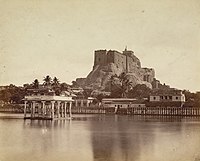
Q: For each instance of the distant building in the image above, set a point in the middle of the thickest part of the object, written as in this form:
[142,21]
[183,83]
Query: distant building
[77,90]
[122,103]
[82,101]
[163,98]
[40,91]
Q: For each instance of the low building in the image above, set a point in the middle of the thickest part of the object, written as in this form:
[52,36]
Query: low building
[122,103]
[163,98]
[77,90]
[82,101]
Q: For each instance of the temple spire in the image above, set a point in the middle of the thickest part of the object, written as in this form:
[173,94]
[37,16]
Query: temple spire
[125,48]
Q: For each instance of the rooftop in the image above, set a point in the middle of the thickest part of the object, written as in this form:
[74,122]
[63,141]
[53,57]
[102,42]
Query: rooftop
[167,92]
[48,98]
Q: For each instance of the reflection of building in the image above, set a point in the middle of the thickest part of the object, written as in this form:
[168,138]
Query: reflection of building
[167,98]
[44,104]
[122,102]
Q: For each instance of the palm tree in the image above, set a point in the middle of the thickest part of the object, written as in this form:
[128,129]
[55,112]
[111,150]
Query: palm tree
[35,83]
[56,86]
[56,82]
[47,81]
[123,85]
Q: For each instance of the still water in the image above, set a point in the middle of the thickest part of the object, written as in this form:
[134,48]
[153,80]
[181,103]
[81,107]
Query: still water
[100,138]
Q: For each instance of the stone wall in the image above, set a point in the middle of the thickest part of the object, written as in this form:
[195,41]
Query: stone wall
[100,57]
[126,60]
[119,60]
[147,74]
[132,60]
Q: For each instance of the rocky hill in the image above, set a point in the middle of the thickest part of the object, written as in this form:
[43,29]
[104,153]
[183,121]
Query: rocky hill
[109,63]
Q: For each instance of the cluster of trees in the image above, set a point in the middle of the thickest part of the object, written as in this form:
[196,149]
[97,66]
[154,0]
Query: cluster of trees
[48,82]
[14,94]
[54,84]
[122,87]
[192,98]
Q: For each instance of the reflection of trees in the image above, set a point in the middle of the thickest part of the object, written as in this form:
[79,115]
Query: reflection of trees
[130,138]
[129,142]
[102,140]
[115,140]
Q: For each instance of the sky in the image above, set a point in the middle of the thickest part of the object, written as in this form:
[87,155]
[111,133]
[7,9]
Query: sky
[58,38]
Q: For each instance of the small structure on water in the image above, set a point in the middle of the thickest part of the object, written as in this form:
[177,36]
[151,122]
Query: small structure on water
[44,104]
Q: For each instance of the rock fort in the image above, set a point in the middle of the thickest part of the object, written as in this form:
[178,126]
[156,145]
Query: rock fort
[108,63]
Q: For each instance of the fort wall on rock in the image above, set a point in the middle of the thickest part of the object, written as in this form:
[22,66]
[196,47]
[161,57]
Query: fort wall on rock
[126,61]
[111,62]
[148,74]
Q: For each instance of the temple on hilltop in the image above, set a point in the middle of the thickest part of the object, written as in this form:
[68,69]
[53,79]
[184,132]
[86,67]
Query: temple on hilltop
[112,62]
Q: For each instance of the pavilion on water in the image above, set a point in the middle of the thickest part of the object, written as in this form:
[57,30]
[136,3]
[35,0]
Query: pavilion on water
[45,105]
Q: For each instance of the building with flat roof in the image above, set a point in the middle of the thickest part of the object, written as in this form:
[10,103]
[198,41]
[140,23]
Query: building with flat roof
[122,103]
[44,104]
[162,98]
[83,101]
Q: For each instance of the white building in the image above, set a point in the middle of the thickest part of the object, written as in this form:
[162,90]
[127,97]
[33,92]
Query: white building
[83,102]
[167,97]
[122,102]
[44,104]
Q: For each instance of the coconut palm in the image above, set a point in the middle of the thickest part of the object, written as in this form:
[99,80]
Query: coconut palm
[56,82]
[122,86]
[47,81]
[56,86]
[35,83]
[126,84]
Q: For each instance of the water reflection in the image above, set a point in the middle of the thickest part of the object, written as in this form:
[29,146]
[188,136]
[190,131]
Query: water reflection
[101,137]
[129,138]
[116,140]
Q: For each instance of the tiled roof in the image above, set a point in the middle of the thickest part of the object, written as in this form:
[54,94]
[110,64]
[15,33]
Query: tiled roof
[171,92]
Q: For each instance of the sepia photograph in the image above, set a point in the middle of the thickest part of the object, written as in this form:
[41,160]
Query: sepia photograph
[99,80]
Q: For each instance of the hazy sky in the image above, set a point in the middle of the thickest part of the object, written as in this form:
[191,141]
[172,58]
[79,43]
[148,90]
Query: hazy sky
[58,38]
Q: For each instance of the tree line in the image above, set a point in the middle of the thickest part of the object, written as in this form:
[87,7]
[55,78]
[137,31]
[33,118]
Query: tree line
[15,94]
[120,87]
